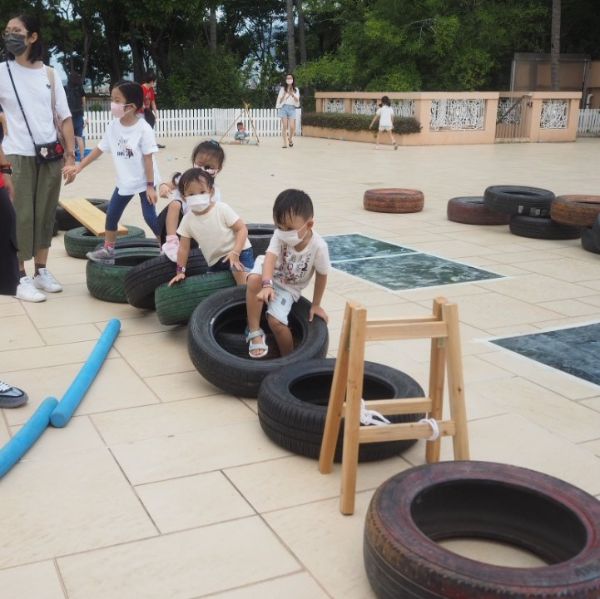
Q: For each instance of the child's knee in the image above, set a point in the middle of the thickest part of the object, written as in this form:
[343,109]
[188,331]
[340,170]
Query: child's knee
[253,283]
[276,325]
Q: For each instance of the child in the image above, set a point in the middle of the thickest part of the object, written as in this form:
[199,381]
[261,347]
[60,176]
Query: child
[220,232]
[207,155]
[385,114]
[132,144]
[296,251]
[241,134]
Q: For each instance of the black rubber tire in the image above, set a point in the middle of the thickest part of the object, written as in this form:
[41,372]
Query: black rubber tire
[146,242]
[174,305]
[260,236]
[516,199]
[79,241]
[471,210]
[225,312]
[106,282]
[141,281]
[55,229]
[547,516]
[292,406]
[589,241]
[538,227]
[596,231]
[66,222]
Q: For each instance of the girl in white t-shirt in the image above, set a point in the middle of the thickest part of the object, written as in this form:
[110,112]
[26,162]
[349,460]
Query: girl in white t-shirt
[385,114]
[220,233]
[132,144]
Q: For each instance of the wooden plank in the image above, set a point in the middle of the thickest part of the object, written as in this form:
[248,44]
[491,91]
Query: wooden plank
[404,405]
[403,431]
[383,332]
[88,215]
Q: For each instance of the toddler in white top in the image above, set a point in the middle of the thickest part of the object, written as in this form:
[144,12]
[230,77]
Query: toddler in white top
[295,254]
[385,114]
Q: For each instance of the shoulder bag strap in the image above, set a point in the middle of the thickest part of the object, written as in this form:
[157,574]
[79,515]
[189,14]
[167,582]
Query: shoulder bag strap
[19,101]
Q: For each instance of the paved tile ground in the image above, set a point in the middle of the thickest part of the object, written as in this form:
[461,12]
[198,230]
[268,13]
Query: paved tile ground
[161,486]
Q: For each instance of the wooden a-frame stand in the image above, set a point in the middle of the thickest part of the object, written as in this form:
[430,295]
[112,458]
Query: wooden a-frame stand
[347,386]
[245,111]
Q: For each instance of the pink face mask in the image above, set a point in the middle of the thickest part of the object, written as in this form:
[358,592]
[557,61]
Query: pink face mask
[118,110]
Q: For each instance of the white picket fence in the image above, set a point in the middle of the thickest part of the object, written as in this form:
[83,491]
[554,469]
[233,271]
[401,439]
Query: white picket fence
[205,122]
[589,122]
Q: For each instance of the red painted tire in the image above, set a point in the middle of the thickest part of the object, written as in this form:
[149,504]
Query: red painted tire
[471,210]
[393,200]
[577,210]
[549,517]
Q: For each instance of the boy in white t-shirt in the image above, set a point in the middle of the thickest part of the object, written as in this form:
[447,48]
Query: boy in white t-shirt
[295,253]
[385,114]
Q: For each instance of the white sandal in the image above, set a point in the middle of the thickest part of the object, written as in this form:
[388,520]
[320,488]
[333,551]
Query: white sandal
[254,346]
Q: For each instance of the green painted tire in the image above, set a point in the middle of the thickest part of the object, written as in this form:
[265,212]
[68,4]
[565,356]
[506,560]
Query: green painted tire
[79,241]
[106,282]
[174,305]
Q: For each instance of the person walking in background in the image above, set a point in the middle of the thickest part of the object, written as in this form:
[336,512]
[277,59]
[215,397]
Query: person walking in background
[35,105]
[76,100]
[150,109]
[288,101]
[385,114]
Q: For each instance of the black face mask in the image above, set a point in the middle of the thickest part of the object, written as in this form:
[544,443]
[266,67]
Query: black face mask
[15,43]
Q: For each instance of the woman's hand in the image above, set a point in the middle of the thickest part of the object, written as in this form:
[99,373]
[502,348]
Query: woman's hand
[151,194]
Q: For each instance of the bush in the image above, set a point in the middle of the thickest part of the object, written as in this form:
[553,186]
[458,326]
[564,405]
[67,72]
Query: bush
[356,122]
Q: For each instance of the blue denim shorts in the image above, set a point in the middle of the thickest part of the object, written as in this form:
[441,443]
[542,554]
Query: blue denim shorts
[246,258]
[287,111]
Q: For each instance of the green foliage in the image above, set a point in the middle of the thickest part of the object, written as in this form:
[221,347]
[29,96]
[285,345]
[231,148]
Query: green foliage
[356,122]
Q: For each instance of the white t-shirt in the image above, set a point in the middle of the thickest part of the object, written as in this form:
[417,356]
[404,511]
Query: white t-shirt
[212,231]
[288,99]
[386,116]
[128,146]
[293,270]
[35,93]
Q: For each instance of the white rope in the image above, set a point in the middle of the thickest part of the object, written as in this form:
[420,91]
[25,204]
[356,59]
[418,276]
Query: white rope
[432,422]
[371,417]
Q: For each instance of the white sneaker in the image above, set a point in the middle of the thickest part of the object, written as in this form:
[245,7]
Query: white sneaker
[27,292]
[45,280]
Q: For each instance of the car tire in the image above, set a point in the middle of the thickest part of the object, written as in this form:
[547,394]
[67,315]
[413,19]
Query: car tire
[537,227]
[517,199]
[471,210]
[396,200]
[576,210]
[79,241]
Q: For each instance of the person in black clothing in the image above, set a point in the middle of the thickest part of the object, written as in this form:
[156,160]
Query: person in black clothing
[76,100]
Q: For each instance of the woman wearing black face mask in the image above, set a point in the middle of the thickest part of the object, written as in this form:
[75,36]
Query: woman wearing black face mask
[33,100]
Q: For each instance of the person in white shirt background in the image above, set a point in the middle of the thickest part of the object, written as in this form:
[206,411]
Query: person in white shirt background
[287,102]
[385,114]
[132,144]
[36,183]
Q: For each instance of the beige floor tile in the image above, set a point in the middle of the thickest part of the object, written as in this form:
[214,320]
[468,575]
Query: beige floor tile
[191,453]
[513,439]
[17,332]
[296,586]
[593,300]
[296,480]
[328,544]
[593,446]
[567,418]
[549,378]
[524,255]
[156,353]
[70,334]
[11,308]
[182,385]
[193,501]
[74,289]
[57,507]
[593,403]
[181,565]
[165,420]
[115,387]
[41,357]
[536,288]
[565,269]
[595,284]
[515,329]
[4,433]
[572,307]
[39,581]
[567,322]
[143,322]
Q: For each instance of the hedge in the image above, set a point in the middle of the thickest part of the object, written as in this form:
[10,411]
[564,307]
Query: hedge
[356,122]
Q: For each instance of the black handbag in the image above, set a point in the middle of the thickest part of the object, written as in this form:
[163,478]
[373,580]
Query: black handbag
[49,152]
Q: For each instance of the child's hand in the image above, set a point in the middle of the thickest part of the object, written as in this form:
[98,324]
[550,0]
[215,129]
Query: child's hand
[70,172]
[164,189]
[234,261]
[178,277]
[151,195]
[266,294]
[317,311]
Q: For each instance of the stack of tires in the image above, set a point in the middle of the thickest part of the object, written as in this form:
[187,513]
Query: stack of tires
[582,211]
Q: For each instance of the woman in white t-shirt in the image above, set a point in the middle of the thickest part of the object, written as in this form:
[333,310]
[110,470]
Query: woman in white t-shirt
[385,114]
[132,144]
[287,102]
[26,80]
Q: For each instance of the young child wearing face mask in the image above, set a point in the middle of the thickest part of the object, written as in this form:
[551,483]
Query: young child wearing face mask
[295,253]
[132,144]
[220,233]
[207,155]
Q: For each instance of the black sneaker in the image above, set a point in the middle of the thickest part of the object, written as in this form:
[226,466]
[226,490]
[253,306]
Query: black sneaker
[11,397]
[161,146]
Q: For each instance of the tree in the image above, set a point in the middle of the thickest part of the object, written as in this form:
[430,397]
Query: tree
[555,45]
[301,31]
[291,41]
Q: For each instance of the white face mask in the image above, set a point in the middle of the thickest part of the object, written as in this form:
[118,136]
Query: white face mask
[199,201]
[290,237]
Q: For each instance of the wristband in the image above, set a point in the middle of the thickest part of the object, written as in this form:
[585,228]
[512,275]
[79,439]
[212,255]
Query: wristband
[180,269]
[267,283]
[149,183]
